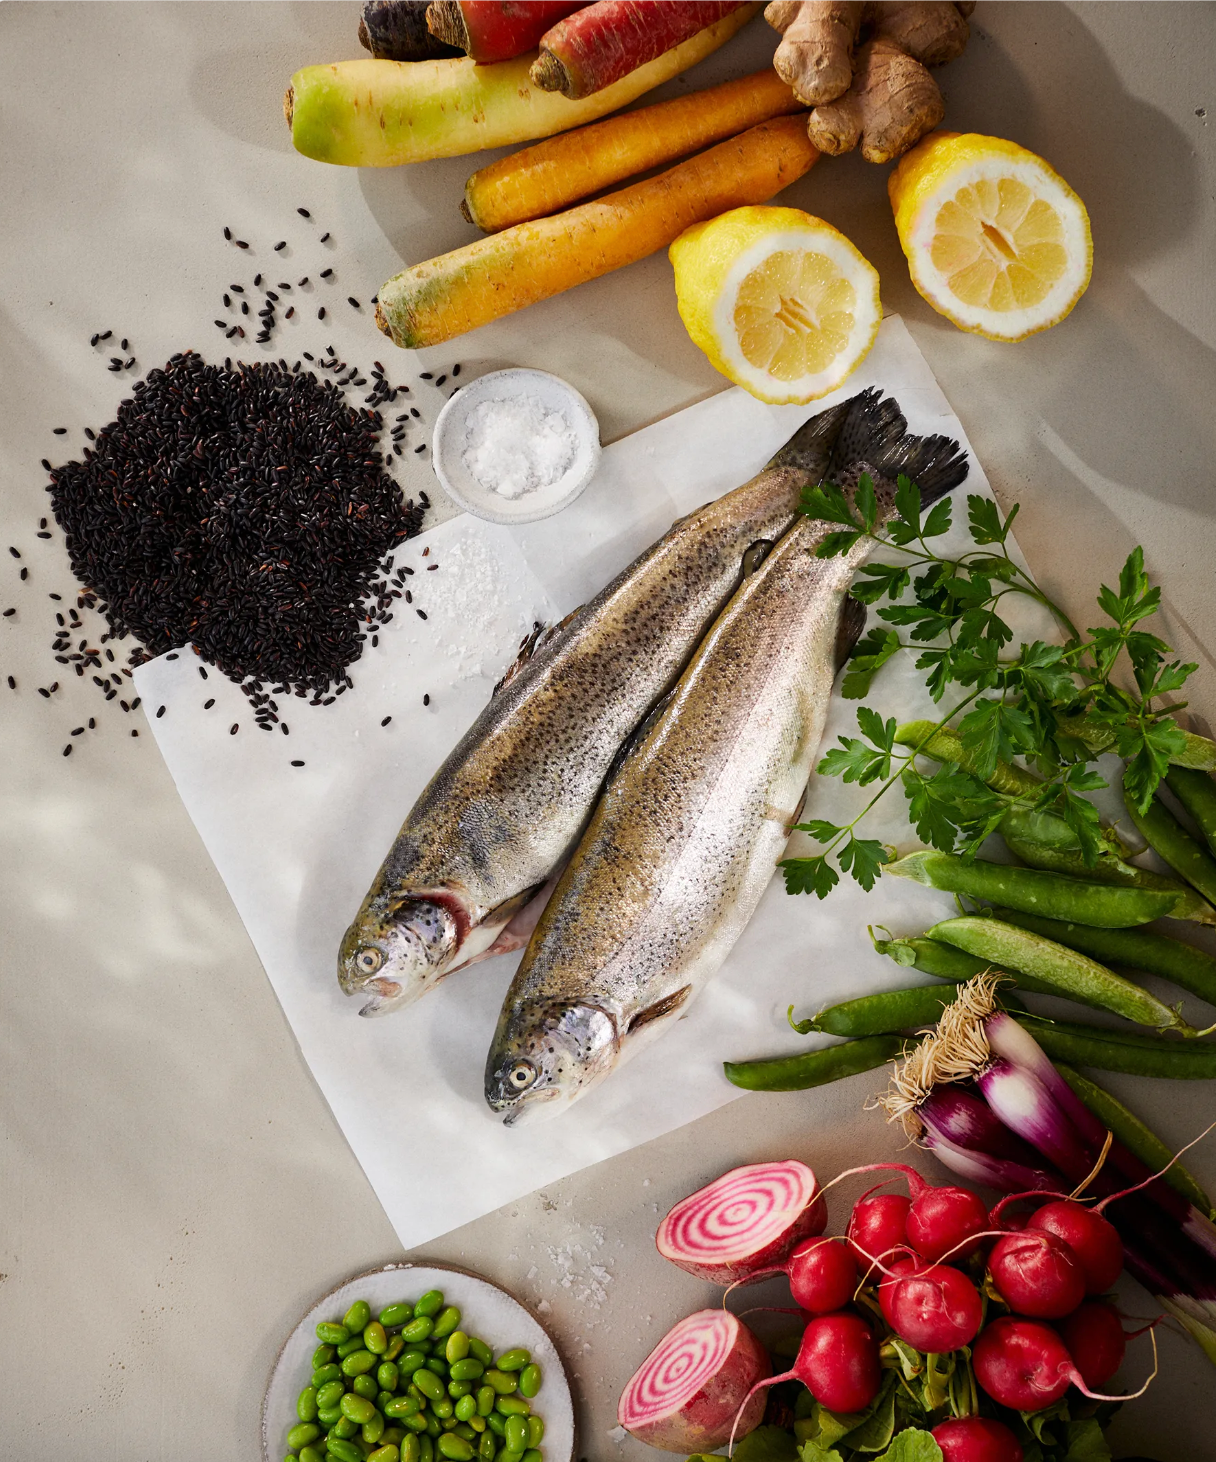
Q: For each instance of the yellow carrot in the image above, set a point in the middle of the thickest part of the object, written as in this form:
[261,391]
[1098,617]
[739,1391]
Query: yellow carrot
[444,297]
[554,174]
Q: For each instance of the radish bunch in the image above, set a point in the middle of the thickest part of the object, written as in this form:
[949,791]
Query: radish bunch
[1011,1305]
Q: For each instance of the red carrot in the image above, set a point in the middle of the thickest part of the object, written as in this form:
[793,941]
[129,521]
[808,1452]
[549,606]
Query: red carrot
[495,30]
[586,52]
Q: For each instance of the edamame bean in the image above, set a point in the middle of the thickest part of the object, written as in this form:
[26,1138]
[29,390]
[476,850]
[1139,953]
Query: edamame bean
[503,1383]
[343,1450]
[456,1347]
[536,1431]
[410,1361]
[358,1363]
[469,1369]
[816,1068]
[514,1360]
[426,1450]
[325,1375]
[393,1315]
[373,1429]
[348,1347]
[357,1316]
[300,1435]
[531,1455]
[507,1455]
[485,1400]
[487,1447]
[322,1356]
[530,1380]
[417,1422]
[374,1338]
[410,1450]
[481,1350]
[1053,895]
[419,1328]
[463,1429]
[387,1375]
[517,1434]
[394,1434]
[430,1304]
[432,1426]
[436,1365]
[395,1346]
[344,1428]
[478,1423]
[402,1406]
[444,1409]
[330,1416]
[306,1404]
[358,1408]
[332,1334]
[384,1454]
[310,1454]
[497,1424]
[512,1406]
[447,1322]
[457,1389]
[329,1395]
[455,1448]
[1071,973]
[365,1386]
[429,1384]
[382,1399]
[466,1406]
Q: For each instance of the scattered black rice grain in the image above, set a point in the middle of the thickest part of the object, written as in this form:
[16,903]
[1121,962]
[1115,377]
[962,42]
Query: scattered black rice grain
[9,612]
[257,279]
[421,613]
[67,750]
[431,567]
[228,301]
[321,313]
[25,573]
[300,283]
[208,704]
[297,763]
[90,433]
[124,345]
[12,685]
[42,535]
[421,448]
[134,733]
[426,376]
[105,335]
[244,307]
[160,713]
[44,693]
[280,246]
[289,313]
[455,371]
[353,302]
[227,233]
[386,720]
[16,552]
[326,273]
[439,380]
[325,238]
[237,288]
[241,244]
[78,731]
[303,212]
[92,724]
[202,670]
[95,339]
[234,728]
[426,700]
[60,431]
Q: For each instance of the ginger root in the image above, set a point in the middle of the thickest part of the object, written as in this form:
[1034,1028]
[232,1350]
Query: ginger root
[879,94]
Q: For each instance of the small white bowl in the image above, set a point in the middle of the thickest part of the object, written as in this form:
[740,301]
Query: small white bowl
[460,484]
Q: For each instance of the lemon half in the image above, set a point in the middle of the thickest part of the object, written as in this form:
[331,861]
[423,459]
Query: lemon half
[995,239]
[780,302]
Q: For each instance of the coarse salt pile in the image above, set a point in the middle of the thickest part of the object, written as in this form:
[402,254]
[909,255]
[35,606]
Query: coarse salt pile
[516,445]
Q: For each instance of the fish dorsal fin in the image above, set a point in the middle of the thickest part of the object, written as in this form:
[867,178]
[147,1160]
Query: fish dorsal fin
[667,1006]
[849,630]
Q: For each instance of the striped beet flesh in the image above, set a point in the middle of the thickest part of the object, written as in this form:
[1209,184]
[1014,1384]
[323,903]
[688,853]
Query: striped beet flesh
[748,1220]
[687,1393]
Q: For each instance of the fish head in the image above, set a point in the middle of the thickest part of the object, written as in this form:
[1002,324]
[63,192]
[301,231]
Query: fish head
[544,1058]
[397,950]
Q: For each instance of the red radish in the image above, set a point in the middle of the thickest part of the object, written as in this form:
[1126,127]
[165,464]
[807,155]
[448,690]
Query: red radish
[976,1439]
[878,1225]
[697,1384]
[823,1275]
[748,1220]
[1021,1364]
[940,1221]
[1094,1241]
[936,1309]
[1037,1274]
[897,1269]
[1095,1340]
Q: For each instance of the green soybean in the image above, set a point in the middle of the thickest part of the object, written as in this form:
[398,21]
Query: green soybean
[310,1454]
[1033,891]
[444,1408]
[357,1316]
[531,1455]
[427,1449]
[402,1406]
[469,1369]
[417,1422]
[408,1363]
[329,1395]
[514,1360]
[447,1322]
[306,1404]
[322,1356]
[485,1400]
[456,1346]
[374,1337]
[329,1415]
[393,1315]
[816,1068]
[430,1304]
[344,1428]
[466,1406]
[387,1453]
[373,1429]
[530,1380]
[497,1424]
[395,1346]
[455,1448]
[325,1375]
[365,1385]
[343,1450]
[419,1328]
[432,1426]
[517,1434]
[410,1450]
[507,1455]
[358,1408]
[1067,970]
[481,1350]
[358,1363]
[457,1389]
[1166,835]
[487,1447]
[536,1431]
[429,1384]
[512,1406]
[332,1334]
[300,1435]
[387,1375]
[1127,1051]
[348,1347]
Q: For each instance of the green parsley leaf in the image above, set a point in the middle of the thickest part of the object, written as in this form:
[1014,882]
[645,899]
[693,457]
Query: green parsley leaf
[938,521]
[1147,750]
[1043,668]
[993,731]
[828,504]
[854,761]
[870,655]
[984,520]
[809,875]
[875,729]
[863,857]
[836,544]
[819,828]
[890,581]
[907,503]
[865,501]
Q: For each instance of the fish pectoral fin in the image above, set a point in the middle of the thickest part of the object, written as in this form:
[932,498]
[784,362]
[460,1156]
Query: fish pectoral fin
[667,1006]
[523,916]
[849,630]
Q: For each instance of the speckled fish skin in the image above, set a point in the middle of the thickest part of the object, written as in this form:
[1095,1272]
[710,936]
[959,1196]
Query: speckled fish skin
[686,837]
[462,879]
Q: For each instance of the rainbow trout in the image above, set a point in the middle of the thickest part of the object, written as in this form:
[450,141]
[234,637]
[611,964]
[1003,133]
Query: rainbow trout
[685,839]
[469,871]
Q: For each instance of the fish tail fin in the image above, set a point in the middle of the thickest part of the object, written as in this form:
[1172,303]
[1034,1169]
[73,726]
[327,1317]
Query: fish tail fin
[875,432]
[807,447]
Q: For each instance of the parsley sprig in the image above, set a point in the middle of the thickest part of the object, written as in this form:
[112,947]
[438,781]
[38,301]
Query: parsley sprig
[1055,706]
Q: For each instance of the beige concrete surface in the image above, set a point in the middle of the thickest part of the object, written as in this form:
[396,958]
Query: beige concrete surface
[173,1190]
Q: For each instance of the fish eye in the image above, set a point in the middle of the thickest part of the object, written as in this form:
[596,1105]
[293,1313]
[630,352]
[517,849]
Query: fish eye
[369,960]
[521,1075]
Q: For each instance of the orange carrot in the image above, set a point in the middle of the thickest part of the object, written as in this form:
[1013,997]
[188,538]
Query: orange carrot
[444,297]
[552,175]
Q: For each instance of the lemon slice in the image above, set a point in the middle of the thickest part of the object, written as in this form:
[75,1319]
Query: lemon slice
[996,240]
[780,302]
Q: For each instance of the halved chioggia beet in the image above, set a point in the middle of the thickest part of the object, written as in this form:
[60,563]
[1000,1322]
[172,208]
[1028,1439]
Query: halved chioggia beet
[697,1385]
[747,1220]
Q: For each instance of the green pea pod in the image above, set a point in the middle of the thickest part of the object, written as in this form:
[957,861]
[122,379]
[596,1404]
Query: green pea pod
[1035,892]
[1139,1140]
[1197,793]
[1156,953]
[1130,1052]
[881,1014]
[816,1068]
[944,962]
[1071,974]
[393,1315]
[430,1304]
[1166,835]
[944,745]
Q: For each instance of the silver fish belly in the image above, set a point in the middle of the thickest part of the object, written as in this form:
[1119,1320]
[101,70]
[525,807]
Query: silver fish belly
[465,876]
[686,837]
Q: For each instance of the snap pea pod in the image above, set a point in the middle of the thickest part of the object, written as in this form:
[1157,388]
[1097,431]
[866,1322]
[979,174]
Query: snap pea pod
[1197,793]
[1166,835]
[880,1014]
[1139,1140]
[944,962]
[1070,973]
[1132,1053]
[1155,953]
[816,1068]
[944,745]
[1035,892]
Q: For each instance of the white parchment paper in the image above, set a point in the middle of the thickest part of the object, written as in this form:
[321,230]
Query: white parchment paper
[297,847]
